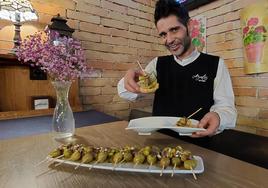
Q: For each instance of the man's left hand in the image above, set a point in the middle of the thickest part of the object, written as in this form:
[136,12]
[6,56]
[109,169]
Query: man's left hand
[211,122]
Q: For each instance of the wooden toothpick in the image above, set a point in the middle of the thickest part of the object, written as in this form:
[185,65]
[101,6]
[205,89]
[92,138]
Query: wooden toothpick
[193,173]
[45,160]
[141,67]
[194,113]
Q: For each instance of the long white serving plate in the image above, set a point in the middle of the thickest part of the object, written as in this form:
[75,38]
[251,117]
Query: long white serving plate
[147,125]
[129,167]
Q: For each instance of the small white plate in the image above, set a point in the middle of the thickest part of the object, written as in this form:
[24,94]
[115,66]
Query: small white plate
[129,167]
[147,125]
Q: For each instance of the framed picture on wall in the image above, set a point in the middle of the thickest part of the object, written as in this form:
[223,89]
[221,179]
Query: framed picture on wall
[198,34]
[41,102]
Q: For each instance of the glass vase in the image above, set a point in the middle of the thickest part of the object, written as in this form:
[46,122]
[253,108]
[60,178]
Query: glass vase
[63,124]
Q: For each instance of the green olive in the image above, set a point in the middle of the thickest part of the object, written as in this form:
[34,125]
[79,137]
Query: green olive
[164,162]
[187,152]
[179,148]
[167,152]
[190,164]
[102,156]
[146,151]
[87,158]
[176,161]
[128,157]
[185,155]
[67,153]
[139,158]
[55,153]
[75,156]
[117,157]
[87,149]
[151,159]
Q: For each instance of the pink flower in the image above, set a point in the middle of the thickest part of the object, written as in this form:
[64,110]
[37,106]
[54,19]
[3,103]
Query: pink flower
[253,33]
[260,29]
[63,60]
[245,30]
[195,22]
[253,21]
[195,32]
[202,40]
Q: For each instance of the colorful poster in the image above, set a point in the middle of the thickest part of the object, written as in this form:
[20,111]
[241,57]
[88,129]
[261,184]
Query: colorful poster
[254,22]
[198,33]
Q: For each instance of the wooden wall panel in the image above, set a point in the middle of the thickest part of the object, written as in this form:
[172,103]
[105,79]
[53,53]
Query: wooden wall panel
[17,90]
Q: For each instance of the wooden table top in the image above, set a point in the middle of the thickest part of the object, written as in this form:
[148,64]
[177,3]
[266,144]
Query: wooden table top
[19,156]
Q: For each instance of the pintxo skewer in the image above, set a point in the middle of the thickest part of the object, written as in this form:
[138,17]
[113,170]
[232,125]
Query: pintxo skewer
[87,157]
[174,157]
[67,153]
[138,62]
[39,163]
[76,155]
[185,121]
[101,155]
[151,155]
[164,162]
[194,113]
[92,166]
[151,159]
[117,158]
[54,158]
[193,173]
[165,158]
[56,154]
[53,154]
[127,155]
[138,159]
[173,170]
[190,165]
[176,161]
[49,160]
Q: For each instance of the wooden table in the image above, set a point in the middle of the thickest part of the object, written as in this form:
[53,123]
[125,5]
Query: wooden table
[19,156]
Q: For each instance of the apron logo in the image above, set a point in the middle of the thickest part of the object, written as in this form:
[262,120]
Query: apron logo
[200,78]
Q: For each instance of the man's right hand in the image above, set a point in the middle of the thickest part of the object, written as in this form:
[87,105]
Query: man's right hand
[130,80]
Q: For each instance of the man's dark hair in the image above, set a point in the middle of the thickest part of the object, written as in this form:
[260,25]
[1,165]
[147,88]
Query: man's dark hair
[165,8]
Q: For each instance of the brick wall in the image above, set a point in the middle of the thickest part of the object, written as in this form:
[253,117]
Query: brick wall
[115,33]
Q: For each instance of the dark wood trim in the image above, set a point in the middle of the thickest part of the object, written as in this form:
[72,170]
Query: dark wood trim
[10,60]
[32,113]
[193,4]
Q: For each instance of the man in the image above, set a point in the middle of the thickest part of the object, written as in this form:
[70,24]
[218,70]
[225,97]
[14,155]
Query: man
[188,80]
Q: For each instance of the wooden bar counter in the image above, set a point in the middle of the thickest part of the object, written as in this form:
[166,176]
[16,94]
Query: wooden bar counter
[19,156]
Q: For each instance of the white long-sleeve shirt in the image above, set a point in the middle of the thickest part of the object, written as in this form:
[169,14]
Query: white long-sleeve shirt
[223,92]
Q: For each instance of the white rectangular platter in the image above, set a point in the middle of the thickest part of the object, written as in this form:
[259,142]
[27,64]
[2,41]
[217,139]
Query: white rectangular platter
[129,167]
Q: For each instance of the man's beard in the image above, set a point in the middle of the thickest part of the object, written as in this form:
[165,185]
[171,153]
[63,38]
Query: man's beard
[184,46]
